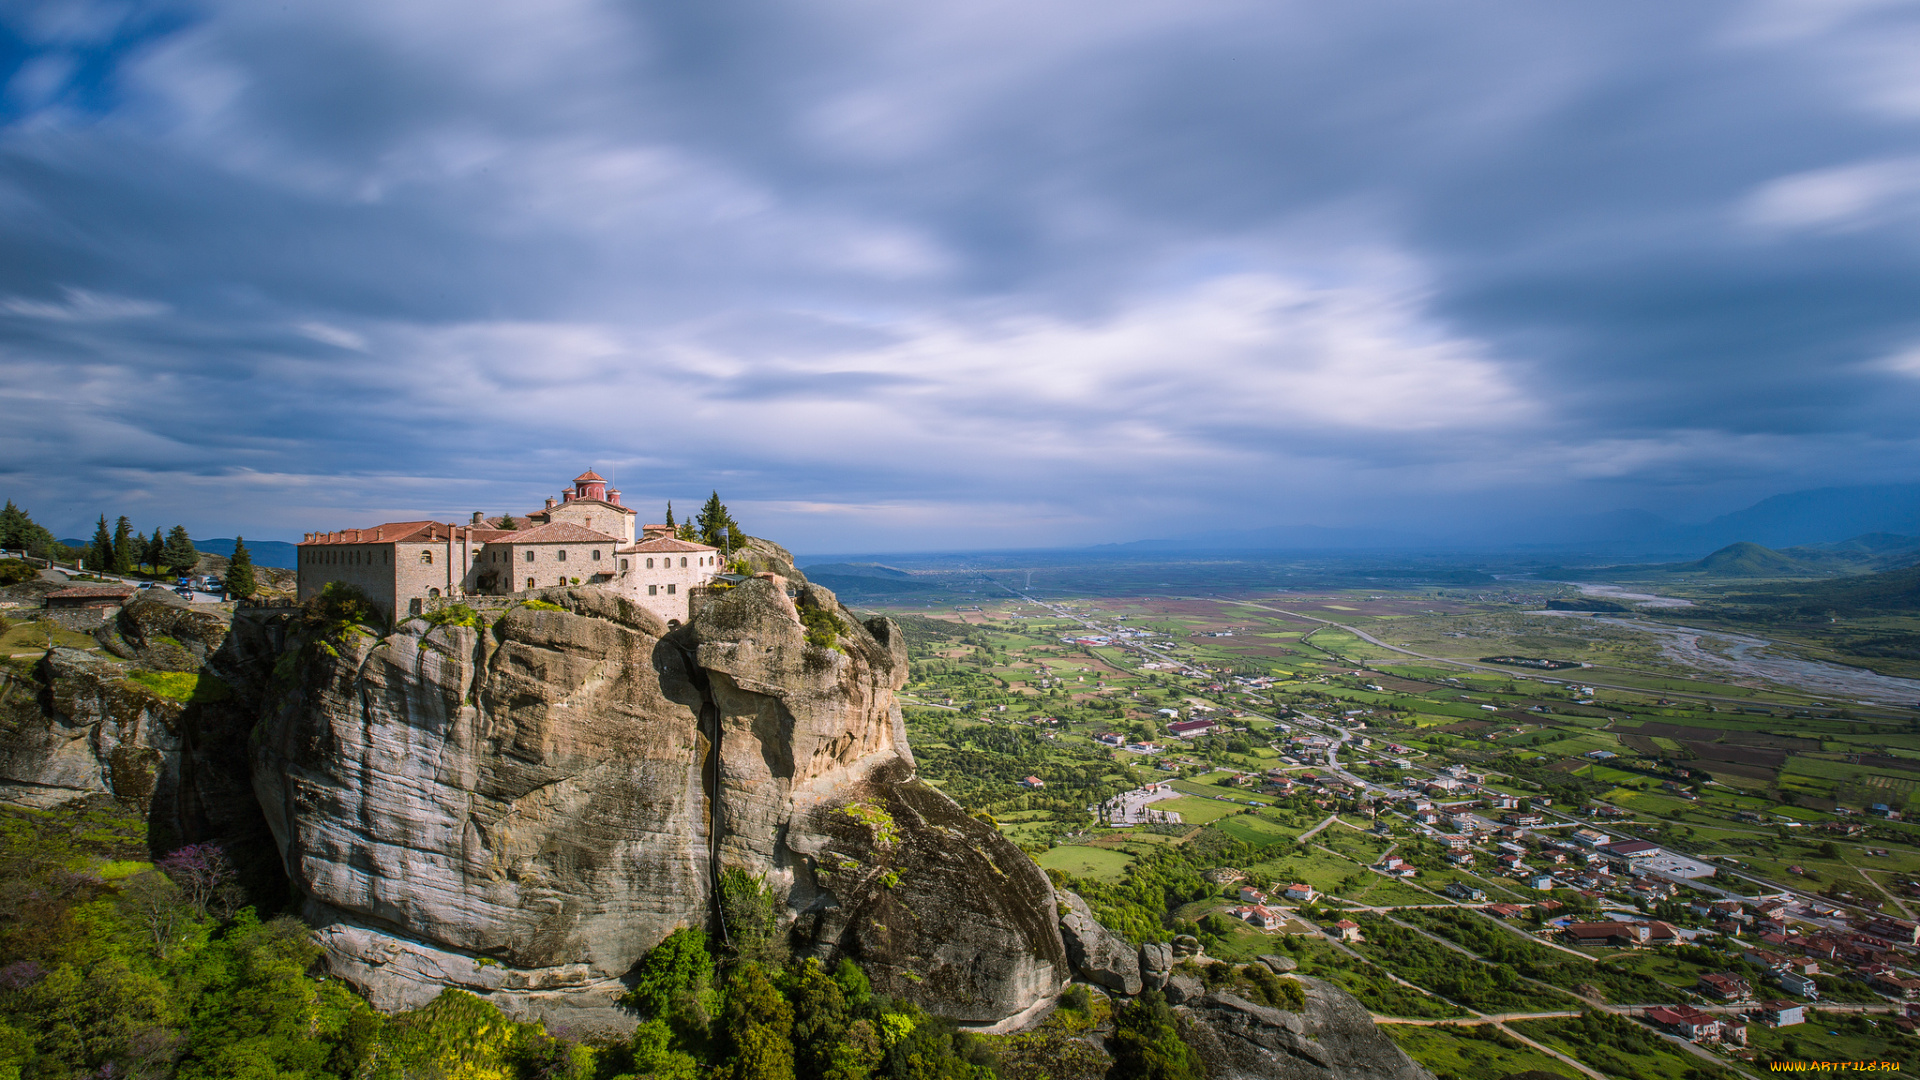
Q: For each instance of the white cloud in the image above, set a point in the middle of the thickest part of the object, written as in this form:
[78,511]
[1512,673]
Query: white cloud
[333,335]
[83,306]
[1843,198]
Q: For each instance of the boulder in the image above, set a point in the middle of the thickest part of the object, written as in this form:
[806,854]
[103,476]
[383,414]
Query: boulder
[1182,987]
[1156,963]
[1334,1038]
[1279,965]
[765,556]
[1101,956]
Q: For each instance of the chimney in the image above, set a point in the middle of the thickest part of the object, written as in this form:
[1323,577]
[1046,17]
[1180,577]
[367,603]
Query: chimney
[476,517]
[549,502]
[613,496]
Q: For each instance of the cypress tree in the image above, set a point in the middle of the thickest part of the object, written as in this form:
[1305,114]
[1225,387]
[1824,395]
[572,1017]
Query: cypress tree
[155,552]
[240,580]
[670,515]
[179,554]
[100,551]
[126,550]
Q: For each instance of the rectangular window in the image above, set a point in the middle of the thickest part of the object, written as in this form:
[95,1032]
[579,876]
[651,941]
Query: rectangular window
[670,589]
[653,590]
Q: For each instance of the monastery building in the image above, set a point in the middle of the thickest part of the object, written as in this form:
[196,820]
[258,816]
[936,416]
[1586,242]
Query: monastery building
[586,537]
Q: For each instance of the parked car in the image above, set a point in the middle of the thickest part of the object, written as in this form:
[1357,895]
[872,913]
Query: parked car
[144,585]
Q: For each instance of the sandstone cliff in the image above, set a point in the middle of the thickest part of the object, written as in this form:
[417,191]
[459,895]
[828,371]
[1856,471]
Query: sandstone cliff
[524,810]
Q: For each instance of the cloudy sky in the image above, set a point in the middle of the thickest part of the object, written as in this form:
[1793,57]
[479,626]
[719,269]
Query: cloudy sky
[935,275]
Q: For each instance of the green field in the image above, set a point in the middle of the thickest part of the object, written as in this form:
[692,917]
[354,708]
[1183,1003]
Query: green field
[1102,864]
[1197,811]
[1479,1051]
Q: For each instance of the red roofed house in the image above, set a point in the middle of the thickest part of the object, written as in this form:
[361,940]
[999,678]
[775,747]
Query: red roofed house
[1894,931]
[1347,930]
[1695,1026]
[1724,986]
[90,596]
[1190,729]
[1608,933]
[1033,782]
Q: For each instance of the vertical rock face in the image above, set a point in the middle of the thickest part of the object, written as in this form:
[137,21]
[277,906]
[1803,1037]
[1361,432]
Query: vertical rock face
[524,811]
[517,812]
[81,724]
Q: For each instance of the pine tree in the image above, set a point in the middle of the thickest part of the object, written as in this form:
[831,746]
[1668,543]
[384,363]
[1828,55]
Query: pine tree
[100,551]
[179,554]
[688,533]
[670,524]
[126,549]
[717,527]
[240,580]
[506,522]
[155,552]
[15,528]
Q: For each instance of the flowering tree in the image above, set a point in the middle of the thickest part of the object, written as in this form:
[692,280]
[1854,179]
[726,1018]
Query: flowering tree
[205,875]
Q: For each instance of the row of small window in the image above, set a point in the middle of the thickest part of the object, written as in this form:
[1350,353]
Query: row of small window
[652,590]
[350,557]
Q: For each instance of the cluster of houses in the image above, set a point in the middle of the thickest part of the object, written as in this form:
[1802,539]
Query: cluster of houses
[1869,949]
[1257,909]
[1255,905]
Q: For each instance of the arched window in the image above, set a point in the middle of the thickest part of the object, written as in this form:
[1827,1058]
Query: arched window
[683,562]
[561,555]
[529,580]
[596,554]
[426,557]
[563,579]
[649,564]
[529,555]
[435,593]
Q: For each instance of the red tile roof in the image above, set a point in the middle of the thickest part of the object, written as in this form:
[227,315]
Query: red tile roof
[588,477]
[543,511]
[668,543]
[391,532]
[83,592]
[559,532]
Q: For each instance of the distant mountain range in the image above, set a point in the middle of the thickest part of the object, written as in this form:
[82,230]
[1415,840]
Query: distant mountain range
[861,580]
[276,553]
[1866,554]
[265,552]
[1798,519]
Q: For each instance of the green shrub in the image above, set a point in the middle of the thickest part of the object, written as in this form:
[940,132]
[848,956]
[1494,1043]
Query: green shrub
[455,615]
[182,685]
[823,627]
[15,571]
[341,606]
